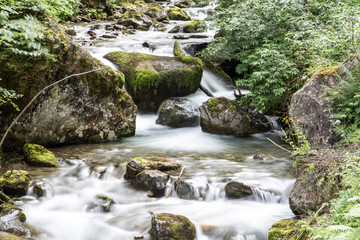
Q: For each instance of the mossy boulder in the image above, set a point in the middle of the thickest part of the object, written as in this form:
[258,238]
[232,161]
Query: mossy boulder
[178,113]
[152,79]
[195,26]
[228,117]
[38,155]
[286,229]
[73,111]
[139,164]
[9,236]
[166,226]
[177,14]
[15,182]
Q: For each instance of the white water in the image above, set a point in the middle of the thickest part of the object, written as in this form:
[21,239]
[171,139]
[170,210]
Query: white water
[209,160]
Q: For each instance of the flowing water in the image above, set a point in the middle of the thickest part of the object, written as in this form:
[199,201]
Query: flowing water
[210,161]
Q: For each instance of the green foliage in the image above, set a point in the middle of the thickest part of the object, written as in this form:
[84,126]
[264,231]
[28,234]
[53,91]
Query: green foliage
[7,96]
[344,220]
[345,100]
[274,41]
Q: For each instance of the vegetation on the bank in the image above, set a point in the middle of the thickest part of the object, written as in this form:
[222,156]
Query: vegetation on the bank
[276,42]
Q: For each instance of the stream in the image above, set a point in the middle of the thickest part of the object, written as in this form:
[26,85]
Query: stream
[210,162]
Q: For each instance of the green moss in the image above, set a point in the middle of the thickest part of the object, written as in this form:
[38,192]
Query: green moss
[195,26]
[38,155]
[177,14]
[15,177]
[213,102]
[327,71]
[176,227]
[177,50]
[128,5]
[217,70]
[286,229]
[8,206]
[95,138]
[22,217]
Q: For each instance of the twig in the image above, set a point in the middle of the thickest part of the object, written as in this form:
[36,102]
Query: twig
[278,145]
[172,187]
[38,94]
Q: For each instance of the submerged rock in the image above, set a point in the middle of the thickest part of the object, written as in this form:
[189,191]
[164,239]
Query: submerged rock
[102,203]
[169,226]
[15,182]
[235,189]
[152,79]
[308,105]
[152,180]
[88,108]
[195,26]
[137,165]
[224,116]
[186,190]
[286,229]
[37,155]
[178,113]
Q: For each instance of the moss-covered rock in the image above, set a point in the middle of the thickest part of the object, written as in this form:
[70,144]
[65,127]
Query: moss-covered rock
[195,26]
[166,226]
[177,50]
[228,117]
[72,111]
[9,236]
[286,229]
[139,164]
[15,182]
[152,79]
[38,155]
[177,14]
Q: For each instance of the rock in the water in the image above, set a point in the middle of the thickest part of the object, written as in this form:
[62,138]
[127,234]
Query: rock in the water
[263,157]
[9,236]
[177,14]
[15,182]
[307,196]
[186,190]
[152,79]
[224,116]
[90,108]
[37,155]
[41,188]
[137,165]
[308,105]
[103,203]
[169,226]
[152,180]
[237,190]
[12,221]
[175,29]
[178,113]
[286,229]
[195,26]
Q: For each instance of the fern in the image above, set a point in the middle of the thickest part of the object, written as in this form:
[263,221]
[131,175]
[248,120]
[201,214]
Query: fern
[354,212]
[339,228]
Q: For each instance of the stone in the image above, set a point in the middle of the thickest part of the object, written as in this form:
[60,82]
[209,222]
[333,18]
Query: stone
[90,108]
[308,196]
[102,203]
[139,164]
[152,79]
[175,29]
[177,14]
[195,26]
[9,236]
[15,182]
[308,105]
[152,180]
[71,32]
[186,190]
[224,116]
[235,189]
[12,221]
[286,229]
[37,155]
[41,188]
[178,113]
[96,3]
[169,226]
[263,157]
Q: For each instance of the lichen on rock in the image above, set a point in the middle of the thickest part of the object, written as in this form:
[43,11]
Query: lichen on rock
[38,155]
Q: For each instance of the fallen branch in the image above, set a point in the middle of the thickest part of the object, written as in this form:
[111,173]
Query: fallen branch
[172,187]
[38,94]
[206,91]
[278,145]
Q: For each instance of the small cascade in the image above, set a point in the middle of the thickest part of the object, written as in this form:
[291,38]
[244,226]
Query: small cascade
[273,120]
[265,196]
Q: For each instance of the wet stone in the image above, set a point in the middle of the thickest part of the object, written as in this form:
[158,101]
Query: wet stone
[237,190]
[152,180]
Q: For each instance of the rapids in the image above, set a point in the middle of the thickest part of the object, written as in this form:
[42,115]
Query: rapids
[209,160]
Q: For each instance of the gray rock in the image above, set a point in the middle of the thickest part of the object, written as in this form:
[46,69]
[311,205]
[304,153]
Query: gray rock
[186,190]
[102,204]
[224,116]
[178,113]
[175,29]
[169,226]
[308,106]
[152,180]
[12,221]
[235,189]
[263,157]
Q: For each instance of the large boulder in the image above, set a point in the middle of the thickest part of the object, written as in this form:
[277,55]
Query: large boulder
[169,226]
[152,180]
[87,108]
[152,79]
[178,113]
[308,107]
[37,155]
[308,195]
[235,189]
[139,164]
[224,116]
[15,182]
